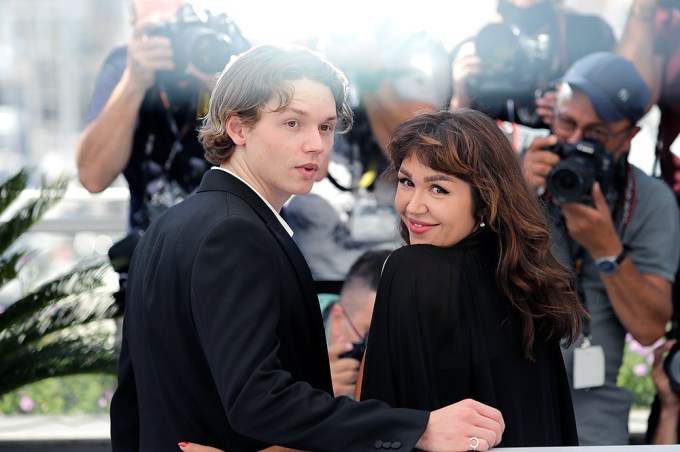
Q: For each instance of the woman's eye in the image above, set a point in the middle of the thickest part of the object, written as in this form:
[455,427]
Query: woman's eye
[440,191]
[405,181]
[326,128]
[292,123]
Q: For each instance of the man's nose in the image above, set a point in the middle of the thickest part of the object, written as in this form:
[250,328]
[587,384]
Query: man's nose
[314,142]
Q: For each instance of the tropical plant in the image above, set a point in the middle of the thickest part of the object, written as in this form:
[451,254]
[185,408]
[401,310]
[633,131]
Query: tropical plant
[63,326]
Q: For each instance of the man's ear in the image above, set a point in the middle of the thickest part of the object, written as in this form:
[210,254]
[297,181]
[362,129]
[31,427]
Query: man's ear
[235,129]
[336,319]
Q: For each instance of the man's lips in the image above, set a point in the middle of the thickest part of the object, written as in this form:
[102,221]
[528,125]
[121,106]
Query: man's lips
[308,170]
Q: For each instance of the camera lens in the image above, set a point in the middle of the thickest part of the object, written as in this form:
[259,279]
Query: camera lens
[570,180]
[210,51]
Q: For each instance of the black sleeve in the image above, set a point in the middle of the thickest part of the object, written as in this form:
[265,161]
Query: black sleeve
[124,406]
[235,303]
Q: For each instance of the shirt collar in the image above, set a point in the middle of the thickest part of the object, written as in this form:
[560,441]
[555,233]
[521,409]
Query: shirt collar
[278,216]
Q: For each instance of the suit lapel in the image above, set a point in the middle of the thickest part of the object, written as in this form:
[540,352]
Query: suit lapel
[218,180]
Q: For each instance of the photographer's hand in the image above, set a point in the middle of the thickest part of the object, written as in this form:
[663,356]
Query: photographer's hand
[146,55]
[344,371]
[592,227]
[537,161]
[105,146]
[465,64]
[641,301]
[669,415]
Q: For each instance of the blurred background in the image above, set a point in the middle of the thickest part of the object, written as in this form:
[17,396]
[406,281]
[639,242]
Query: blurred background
[50,51]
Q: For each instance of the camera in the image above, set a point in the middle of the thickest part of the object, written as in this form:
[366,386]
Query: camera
[357,352]
[205,40]
[516,66]
[581,165]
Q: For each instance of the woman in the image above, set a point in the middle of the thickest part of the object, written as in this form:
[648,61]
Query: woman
[477,305]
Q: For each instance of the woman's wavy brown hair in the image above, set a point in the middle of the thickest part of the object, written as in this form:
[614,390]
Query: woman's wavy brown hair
[469,145]
[257,76]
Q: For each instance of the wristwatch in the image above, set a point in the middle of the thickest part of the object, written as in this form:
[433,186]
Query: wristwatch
[608,265]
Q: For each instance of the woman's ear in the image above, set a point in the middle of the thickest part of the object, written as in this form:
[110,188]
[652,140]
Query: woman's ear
[235,129]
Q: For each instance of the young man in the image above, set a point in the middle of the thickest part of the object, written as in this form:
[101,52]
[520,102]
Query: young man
[223,342]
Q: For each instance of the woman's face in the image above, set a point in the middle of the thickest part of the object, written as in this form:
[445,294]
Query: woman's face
[436,207]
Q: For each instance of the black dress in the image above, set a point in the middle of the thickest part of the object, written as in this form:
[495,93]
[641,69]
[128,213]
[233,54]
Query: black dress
[442,331]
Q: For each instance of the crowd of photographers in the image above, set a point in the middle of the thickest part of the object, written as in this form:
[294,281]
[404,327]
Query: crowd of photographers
[567,94]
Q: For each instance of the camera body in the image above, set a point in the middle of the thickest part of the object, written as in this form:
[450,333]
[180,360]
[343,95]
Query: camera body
[207,41]
[357,352]
[516,66]
[581,164]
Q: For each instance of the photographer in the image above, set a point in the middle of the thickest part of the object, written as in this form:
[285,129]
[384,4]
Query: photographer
[620,235]
[506,68]
[650,40]
[347,319]
[147,102]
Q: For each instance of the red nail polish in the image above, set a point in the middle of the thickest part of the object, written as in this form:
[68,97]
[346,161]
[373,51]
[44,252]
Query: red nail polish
[182,444]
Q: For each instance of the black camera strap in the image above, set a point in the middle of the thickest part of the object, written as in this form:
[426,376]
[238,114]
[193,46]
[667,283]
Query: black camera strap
[178,135]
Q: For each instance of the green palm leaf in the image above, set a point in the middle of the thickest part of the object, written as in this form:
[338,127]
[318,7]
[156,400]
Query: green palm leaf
[64,326]
[75,350]
[12,188]
[31,212]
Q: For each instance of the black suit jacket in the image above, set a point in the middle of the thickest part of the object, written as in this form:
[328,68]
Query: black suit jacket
[223,342]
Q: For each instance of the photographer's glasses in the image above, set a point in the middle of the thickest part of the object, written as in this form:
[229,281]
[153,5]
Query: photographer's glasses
[564,125]
[351,325]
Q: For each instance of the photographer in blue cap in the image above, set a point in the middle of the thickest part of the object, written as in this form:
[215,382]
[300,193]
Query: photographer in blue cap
[616,226]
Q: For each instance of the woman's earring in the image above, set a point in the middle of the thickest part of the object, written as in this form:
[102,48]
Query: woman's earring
[481,224]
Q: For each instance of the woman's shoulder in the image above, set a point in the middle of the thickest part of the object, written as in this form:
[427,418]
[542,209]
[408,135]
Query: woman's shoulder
[422,262]
[411,254]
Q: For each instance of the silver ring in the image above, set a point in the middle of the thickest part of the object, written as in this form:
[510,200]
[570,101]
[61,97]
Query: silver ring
[474,443]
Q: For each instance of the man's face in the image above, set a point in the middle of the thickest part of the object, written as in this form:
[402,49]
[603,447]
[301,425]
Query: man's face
[351,318]
[575,119]
[161,10]
[285,150]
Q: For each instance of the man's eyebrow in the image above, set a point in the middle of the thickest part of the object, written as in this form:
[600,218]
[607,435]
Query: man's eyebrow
[303,113]
[565,116]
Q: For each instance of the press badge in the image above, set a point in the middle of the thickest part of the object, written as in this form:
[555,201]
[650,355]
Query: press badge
[588,366]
